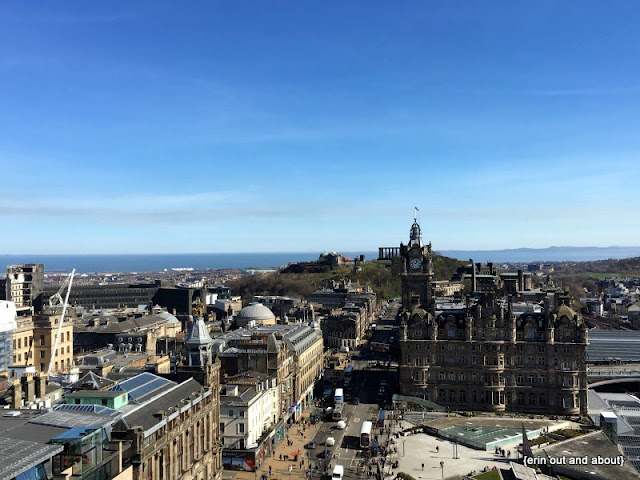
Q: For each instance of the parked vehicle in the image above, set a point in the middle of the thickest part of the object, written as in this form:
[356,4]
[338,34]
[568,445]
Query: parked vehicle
[330,442]
[311,445]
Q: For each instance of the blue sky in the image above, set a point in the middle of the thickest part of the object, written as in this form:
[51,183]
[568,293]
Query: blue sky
[156,127]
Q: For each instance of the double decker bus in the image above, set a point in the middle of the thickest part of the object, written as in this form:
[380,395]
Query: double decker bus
[365,435]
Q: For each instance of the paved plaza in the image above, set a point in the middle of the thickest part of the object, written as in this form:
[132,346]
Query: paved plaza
[415,450]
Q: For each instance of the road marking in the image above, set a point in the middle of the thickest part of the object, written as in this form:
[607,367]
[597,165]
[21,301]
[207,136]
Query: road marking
[356,420]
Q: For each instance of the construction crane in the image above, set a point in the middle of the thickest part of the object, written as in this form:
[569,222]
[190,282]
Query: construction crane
[54,301]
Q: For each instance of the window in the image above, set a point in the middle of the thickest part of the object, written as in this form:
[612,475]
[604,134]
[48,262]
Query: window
[19,343]
[42,367]
[103,402]
[240,428]
[221,427]
[41,339]
[41,353]
[230,412]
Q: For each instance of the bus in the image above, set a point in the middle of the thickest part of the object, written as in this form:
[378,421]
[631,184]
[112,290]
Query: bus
[381,418]
[348,371]
[338,397]
[365,435]
[337,412]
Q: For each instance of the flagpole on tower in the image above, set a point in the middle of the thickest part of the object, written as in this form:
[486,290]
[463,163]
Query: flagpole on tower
[415,214]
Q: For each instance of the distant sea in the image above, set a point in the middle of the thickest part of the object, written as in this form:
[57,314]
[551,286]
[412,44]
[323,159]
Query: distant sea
[158,262]
[215,261]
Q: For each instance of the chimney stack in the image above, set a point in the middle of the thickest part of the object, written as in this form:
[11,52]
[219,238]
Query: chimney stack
[16,399]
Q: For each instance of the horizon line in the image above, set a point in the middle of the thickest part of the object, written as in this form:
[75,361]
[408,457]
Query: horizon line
[280,252]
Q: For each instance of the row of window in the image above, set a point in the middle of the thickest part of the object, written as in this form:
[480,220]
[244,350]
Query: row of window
[18,358]
[521,379]
[479,347]
[18,342]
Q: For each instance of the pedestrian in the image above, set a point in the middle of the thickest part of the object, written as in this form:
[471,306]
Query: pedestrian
[280,457]
[423,467]
[437,448]
[269,470]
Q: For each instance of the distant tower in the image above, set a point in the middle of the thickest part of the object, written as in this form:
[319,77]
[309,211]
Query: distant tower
[416,270]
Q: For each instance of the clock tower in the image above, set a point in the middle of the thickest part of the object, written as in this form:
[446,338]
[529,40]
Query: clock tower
[416,270]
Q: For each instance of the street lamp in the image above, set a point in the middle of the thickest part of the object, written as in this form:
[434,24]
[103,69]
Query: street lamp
[442,467]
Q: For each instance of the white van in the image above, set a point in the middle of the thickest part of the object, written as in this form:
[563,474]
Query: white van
[338,472]
[344,349]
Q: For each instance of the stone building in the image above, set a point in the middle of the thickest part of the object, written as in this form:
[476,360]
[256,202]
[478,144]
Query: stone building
[486,355]
[293,354]
[175,434]
[24,284]
[124,331]
[33,343]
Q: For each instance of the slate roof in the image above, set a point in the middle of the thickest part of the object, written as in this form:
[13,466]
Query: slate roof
[91,379]
[124,326]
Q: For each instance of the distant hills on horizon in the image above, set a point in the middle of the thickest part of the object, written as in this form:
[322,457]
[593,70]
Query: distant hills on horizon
[549,254]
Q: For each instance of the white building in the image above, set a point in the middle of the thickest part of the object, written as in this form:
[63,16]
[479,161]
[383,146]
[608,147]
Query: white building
[8,325]
[247,415]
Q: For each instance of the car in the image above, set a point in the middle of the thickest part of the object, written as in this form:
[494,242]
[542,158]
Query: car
[341,425]
[355,400]
[311,445]
[326,453]
[330,442]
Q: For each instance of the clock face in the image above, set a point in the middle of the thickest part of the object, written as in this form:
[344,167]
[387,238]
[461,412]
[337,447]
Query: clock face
[415,263]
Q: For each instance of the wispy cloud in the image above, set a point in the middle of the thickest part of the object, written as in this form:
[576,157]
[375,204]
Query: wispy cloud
[181,209]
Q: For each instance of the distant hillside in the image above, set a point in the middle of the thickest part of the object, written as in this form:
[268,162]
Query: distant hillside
[551,254]
[299,280]
[625,266]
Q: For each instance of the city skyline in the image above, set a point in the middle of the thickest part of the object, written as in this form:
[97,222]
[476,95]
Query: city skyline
[226,127]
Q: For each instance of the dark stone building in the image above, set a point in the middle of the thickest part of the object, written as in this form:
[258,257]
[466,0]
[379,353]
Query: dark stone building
[124,295]
[485,355]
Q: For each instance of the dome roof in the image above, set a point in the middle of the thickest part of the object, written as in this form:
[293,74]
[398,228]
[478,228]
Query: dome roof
[168,317]
[255,311]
